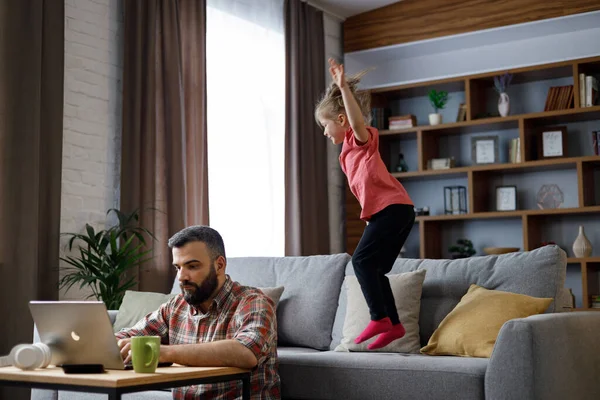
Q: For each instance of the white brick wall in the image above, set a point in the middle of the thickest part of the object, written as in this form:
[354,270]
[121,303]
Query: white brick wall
[92,114]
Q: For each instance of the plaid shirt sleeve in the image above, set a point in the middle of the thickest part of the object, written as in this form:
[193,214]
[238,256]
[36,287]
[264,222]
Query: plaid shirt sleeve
[257,325]
[153,324]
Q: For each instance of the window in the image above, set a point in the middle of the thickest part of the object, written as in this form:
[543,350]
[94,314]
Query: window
[246,117]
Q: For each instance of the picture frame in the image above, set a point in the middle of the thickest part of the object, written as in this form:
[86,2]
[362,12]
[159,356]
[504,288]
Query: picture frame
[484,149]
[552,142]
[462,113]
[506,198]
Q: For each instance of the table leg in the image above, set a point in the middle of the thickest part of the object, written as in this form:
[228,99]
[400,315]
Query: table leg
[114,395]
[246,387]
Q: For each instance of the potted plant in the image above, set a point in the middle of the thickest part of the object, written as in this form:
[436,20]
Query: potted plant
[438,101]
[462,249]
[501,83]
[104,257]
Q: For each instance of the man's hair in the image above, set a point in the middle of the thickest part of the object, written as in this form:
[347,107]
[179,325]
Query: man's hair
[200,233]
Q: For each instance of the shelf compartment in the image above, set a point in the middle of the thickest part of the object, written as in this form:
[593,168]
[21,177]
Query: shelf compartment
[590,67]
[390,148]
[430,238]
[510,214]
[588,171]
[431,193]
[529,84]
[591,281]
[562,230]
[528,183]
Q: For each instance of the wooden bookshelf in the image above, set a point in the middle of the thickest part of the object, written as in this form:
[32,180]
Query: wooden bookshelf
[428,139]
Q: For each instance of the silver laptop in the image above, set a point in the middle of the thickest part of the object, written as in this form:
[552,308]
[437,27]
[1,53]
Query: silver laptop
[77,332]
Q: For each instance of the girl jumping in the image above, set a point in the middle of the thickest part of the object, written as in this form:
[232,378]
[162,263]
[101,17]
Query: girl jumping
[387,209]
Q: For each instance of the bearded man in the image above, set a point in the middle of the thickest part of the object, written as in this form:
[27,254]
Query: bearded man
[213,322]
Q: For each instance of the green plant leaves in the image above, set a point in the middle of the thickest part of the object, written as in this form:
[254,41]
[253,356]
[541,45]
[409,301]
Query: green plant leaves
[463,247]
[437,99]
[105,257]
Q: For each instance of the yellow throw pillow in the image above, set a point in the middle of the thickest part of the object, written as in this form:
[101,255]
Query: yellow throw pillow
[471,328]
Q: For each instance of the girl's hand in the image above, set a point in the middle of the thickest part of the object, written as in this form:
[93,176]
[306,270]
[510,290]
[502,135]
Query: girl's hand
[337,73]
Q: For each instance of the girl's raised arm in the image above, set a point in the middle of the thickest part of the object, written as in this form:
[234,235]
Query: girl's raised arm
[353,112]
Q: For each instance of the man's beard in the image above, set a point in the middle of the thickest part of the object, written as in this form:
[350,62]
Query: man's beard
[203,291]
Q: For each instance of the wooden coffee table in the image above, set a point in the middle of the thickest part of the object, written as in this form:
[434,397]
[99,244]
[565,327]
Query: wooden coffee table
[115,383]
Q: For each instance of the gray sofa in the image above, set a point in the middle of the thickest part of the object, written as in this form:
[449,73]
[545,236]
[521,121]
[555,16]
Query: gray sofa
[550,356]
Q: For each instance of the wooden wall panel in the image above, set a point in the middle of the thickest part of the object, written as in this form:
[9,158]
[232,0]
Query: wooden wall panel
[412,20]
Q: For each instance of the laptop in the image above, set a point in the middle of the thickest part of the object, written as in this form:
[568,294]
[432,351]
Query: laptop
[77,332]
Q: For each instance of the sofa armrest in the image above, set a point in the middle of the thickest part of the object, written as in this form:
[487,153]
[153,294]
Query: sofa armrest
[546,356]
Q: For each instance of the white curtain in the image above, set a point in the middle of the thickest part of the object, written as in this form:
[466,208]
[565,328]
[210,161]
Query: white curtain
[246,115]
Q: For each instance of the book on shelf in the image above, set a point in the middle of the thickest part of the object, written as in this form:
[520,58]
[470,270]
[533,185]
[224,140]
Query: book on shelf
[595,301]
[402,122]
[591,90]
[596,142]
[514,151]
[379,116]
[559,98]
[441,163]
[588,90]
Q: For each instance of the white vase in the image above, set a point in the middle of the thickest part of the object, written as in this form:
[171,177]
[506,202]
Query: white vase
[435,119]
[582,246]
[503,104]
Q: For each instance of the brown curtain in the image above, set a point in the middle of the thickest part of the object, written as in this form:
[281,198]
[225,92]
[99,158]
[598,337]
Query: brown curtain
[31,120]
[164,161]
[306,206]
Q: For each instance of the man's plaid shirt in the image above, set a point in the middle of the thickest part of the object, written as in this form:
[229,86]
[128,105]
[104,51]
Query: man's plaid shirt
[237,312]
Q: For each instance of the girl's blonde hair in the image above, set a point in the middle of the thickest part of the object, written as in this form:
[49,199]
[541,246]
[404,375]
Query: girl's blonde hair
[332,104]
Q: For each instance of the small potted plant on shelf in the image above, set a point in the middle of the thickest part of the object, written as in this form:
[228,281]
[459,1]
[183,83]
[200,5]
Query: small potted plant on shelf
[501,83]
[462,249]
[438,101]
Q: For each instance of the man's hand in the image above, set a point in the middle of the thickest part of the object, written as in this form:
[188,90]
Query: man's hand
[125,347]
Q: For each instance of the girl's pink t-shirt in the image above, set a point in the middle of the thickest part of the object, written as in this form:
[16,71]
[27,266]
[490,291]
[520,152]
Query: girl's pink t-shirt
[368,178]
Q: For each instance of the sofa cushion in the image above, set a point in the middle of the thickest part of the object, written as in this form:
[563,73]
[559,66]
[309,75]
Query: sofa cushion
[357,376]
[407,294]
[472,327]
[308,304]
[273,293]
[136,305]
[538,273]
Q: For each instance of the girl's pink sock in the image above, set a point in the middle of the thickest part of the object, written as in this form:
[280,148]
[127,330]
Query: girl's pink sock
[388,337]
[374,328]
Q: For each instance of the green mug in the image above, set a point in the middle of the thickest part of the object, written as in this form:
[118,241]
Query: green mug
[145,351]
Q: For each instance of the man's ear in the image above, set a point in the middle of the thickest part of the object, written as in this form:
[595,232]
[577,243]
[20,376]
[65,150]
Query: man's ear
[221,263]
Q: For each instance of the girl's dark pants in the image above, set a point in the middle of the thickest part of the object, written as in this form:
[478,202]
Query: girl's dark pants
[375,254]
